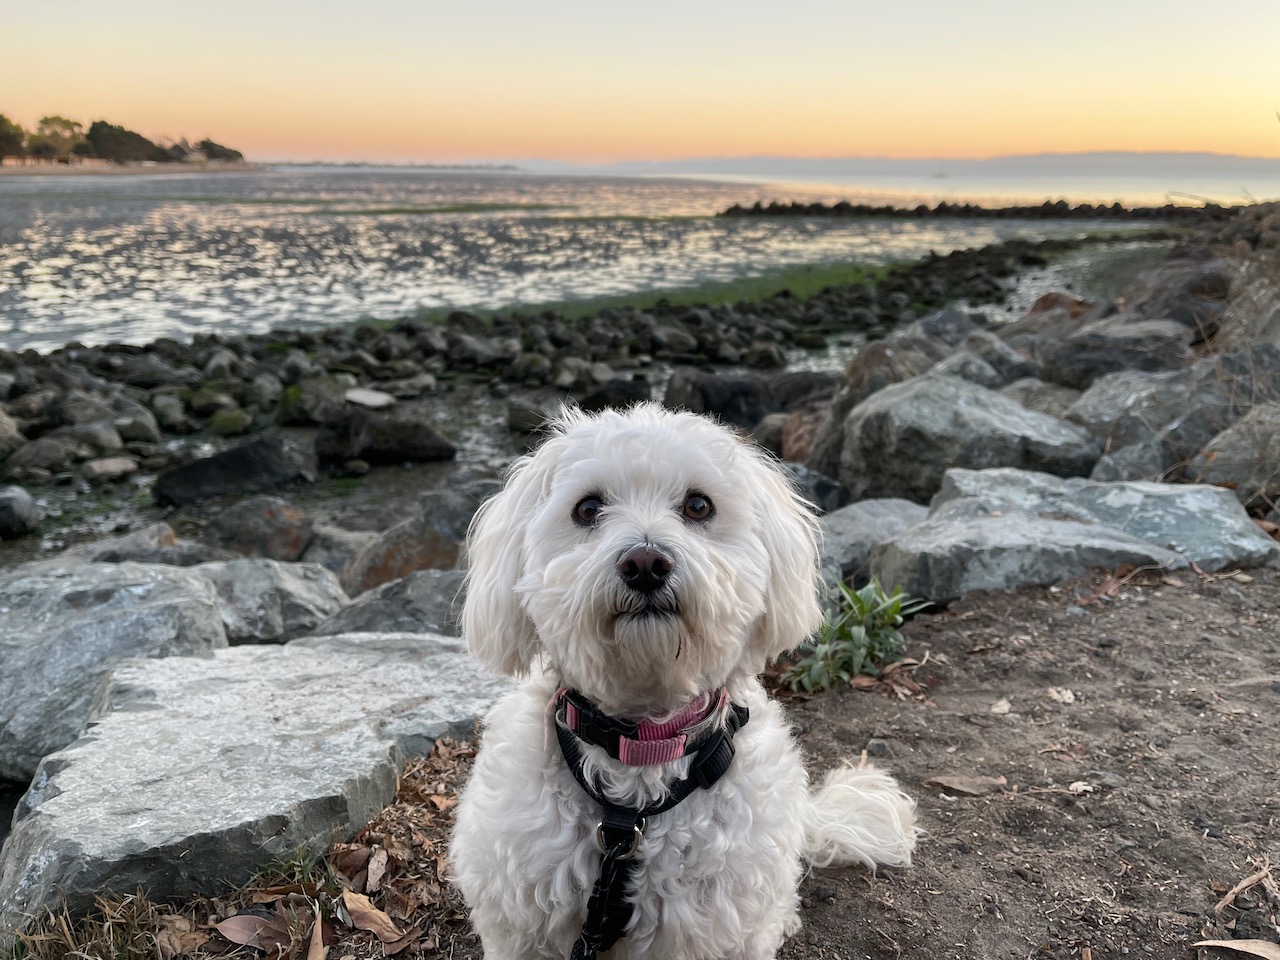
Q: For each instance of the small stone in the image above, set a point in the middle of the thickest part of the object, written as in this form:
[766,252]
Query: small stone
[878,747]
[19,514]
[230,422]
[373,399]
[109,469]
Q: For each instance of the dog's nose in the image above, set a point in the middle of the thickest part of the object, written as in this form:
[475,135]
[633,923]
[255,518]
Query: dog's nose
[645,568]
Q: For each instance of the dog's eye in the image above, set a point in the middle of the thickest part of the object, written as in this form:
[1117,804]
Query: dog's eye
[698,508]
[587,512]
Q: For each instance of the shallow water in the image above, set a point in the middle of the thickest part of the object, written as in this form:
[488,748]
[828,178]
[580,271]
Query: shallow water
[99,259]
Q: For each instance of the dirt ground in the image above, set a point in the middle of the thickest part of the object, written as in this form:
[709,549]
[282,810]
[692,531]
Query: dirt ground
[1118,765]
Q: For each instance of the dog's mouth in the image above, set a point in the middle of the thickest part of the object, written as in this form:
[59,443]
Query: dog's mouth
[651,608]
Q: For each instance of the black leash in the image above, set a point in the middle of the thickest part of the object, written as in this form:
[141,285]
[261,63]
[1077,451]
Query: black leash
[622,828]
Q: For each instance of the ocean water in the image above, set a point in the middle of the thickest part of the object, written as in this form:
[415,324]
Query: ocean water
[132,258]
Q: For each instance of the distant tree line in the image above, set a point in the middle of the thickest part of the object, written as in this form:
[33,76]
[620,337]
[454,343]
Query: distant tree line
[59,138]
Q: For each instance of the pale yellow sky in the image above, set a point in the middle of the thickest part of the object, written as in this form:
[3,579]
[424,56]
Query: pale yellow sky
[571,80]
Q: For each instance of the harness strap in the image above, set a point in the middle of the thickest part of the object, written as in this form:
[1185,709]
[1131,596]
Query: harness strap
[621,829]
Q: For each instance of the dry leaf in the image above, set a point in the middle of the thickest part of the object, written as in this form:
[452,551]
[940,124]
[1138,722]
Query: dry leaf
[191,942]
[316,950]
[168,944]
[1255,948]
[377,867]
[968,785]
[244,928]
[1001,707]
[390,949]
[1061,695]
[365,916]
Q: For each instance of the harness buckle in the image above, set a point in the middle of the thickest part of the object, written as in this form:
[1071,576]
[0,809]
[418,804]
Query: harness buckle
[599,728]
[637,834]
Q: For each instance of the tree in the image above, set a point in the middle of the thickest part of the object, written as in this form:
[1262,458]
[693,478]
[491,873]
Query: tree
[12,138]
[116,143]
[216,151]
[60,133]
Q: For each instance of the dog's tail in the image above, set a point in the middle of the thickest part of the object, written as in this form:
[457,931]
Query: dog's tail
[859,815]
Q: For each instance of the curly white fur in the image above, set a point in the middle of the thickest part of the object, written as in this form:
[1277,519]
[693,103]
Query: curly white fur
[718,874]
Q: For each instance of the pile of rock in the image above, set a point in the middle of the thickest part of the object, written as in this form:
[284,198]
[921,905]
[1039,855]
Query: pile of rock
[1049,210]
[105,414]
[982,425]
[185,711]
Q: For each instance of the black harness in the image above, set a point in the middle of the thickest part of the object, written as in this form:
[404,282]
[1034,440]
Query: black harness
[622,828]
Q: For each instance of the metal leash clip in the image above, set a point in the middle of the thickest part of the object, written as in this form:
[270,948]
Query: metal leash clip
[637,834]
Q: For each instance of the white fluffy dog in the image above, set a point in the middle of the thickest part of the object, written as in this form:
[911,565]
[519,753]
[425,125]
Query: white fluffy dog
[651,563]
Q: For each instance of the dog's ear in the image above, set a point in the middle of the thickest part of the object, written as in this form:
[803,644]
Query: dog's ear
[494,622]
[789,530]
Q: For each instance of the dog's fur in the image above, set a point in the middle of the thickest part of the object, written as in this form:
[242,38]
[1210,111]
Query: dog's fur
[717,875]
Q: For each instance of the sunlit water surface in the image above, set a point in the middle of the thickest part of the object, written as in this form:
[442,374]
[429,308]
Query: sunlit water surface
[99,259]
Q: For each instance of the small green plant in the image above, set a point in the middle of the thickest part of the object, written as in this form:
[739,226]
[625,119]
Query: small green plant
[304,867]
[859,632]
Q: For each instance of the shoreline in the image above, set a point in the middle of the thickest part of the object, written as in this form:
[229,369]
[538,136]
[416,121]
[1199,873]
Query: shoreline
[115,170]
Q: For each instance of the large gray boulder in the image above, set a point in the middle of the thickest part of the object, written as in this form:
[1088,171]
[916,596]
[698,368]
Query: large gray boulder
[1182,409]
[963,547]
[199,772]
[1245,457]
[870,370]
[67,626]
[266,601]
[900,441]
[255,467]
[1117,343]
[849,534]
[1203,523]
[429,600]
[996,529]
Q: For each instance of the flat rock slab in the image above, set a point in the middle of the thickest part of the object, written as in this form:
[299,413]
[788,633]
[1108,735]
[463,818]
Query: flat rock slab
[952,553]
[1005,528]
[65,626]
[199,772]
[1205,524]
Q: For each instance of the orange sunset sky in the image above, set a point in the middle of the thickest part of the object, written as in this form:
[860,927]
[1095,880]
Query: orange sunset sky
[490,80]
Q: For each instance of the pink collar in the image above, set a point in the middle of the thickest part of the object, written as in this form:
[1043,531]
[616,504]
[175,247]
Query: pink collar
[640,743]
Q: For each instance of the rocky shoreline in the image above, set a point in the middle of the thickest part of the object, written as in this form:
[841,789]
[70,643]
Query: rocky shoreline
[183,697]
[1049,210]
